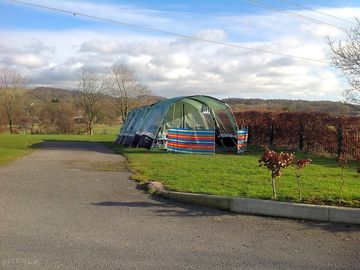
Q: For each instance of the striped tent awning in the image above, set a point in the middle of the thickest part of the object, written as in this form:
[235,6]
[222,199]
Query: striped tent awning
[242,139]
[191,141]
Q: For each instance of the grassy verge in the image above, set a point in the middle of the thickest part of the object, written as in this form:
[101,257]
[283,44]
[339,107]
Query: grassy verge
[232,175]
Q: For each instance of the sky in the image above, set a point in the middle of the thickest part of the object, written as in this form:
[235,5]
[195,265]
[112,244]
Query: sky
[49,48]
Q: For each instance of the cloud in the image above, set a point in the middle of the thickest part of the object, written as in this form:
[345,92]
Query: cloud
[30,55]
[27,60]
[99,46]
[173,66]
[212,34]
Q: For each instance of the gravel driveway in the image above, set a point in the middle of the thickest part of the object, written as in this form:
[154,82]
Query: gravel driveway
[71,205]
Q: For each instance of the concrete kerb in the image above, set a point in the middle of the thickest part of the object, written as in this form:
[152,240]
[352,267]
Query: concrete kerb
[344,215]
[268,208]
[280,209]
[296,210]
[218,202]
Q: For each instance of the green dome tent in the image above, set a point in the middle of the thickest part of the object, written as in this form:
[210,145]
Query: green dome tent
[146,125]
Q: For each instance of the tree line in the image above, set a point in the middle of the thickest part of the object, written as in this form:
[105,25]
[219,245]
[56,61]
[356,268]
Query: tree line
[101,96]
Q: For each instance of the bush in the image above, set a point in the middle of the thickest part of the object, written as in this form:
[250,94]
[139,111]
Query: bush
[315,132]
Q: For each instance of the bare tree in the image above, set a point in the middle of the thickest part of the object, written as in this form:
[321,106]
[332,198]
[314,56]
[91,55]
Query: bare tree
[125,88]
[10,82]
[346,57]
[91,88]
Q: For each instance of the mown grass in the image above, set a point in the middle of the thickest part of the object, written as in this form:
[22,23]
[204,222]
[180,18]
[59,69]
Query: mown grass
[102,129]
[240,175]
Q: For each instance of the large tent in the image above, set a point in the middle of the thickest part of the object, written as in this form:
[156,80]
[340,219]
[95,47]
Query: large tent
[146,126]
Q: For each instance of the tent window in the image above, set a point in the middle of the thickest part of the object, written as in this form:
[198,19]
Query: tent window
[205,109]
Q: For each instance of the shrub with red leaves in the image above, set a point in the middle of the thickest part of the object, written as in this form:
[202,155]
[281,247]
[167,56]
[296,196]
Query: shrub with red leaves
[275,163]
[341,160]
[302,163]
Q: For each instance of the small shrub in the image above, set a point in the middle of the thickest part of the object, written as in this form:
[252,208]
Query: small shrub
[275,163]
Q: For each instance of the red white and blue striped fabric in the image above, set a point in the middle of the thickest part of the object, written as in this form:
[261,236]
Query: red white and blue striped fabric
[182,140]
[242,140]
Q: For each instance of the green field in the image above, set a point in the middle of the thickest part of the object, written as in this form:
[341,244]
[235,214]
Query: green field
[240,175]
[221,174]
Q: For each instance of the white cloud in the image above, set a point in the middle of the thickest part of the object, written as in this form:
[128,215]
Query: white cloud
[212,34]
[101,46]
[173,66]
[178,73]
[27,60]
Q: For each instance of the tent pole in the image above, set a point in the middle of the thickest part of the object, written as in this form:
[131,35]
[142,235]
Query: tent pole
[173,119]
[183,116]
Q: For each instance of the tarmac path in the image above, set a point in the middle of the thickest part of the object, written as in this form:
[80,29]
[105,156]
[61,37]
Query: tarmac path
[71,205]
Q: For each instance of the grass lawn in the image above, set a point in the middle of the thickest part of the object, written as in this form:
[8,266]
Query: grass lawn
[240,175]
[101,129]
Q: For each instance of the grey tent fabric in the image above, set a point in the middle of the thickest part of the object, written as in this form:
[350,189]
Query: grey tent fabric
[144,125]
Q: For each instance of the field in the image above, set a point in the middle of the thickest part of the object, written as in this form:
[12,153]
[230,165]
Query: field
[221,174]
[240,175]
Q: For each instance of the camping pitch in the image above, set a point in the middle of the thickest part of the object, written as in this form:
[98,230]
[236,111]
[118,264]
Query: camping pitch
[192,124]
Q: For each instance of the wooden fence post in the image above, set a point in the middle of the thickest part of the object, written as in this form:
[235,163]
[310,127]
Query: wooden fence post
[340,139]
[271,134]
[301,137]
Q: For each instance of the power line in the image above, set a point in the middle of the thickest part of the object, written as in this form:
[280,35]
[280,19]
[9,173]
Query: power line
[75,13]
[317,11]
[309,19]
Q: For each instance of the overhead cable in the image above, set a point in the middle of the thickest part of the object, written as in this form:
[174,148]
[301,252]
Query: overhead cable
[309,19]
[183,36]
[317,11]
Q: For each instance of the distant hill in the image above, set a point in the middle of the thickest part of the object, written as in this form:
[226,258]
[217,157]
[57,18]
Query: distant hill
[149,99]
[337,108]
[52,94]
[49,94]
[53,91]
